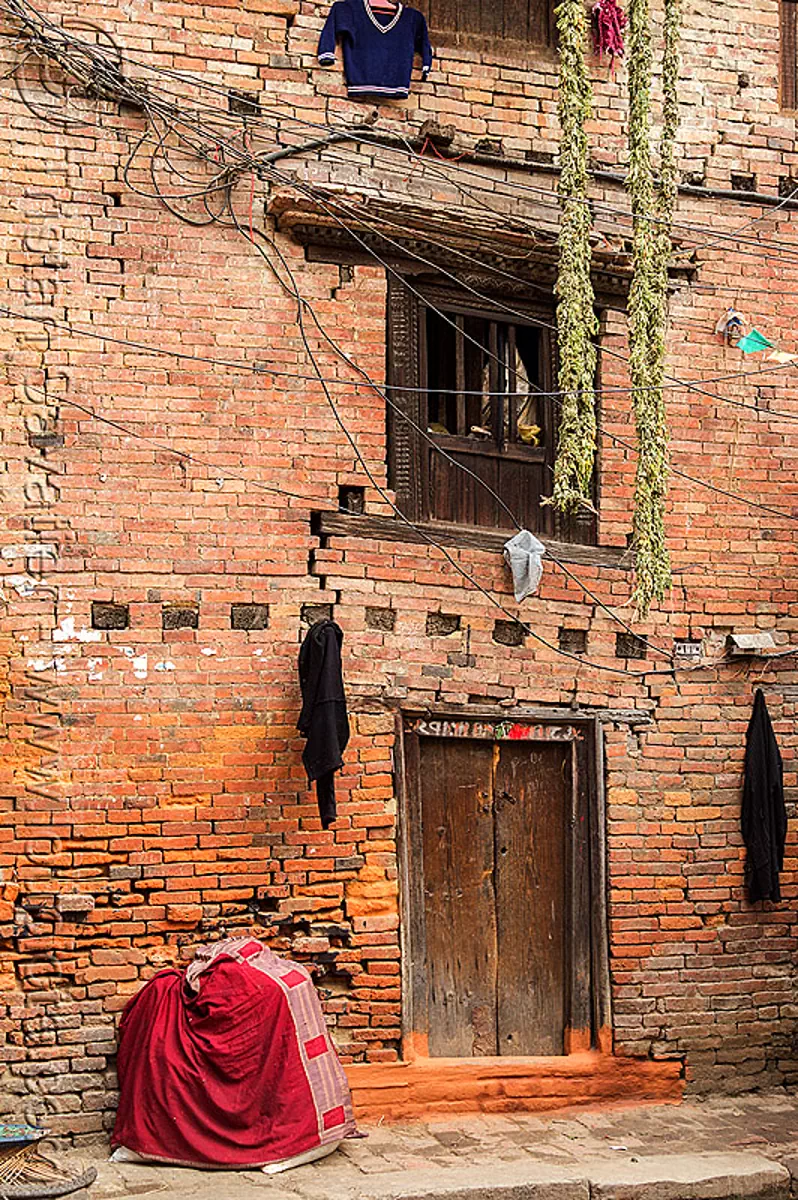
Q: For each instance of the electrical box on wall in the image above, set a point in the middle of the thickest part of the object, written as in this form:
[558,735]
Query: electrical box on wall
[687,648]
[750,645]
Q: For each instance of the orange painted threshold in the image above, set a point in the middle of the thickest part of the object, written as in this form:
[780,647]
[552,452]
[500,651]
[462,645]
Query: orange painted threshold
[407,1091]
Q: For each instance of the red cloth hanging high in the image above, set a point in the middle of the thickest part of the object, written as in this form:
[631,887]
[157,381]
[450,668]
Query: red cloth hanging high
[609,23]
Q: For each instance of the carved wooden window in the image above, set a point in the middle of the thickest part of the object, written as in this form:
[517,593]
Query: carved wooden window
[529,21]
[477,381]
[789,54]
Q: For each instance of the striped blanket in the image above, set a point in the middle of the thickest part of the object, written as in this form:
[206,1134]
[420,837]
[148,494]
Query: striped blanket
[229,1063]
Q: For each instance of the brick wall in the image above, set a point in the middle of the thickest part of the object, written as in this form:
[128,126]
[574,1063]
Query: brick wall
[151,789]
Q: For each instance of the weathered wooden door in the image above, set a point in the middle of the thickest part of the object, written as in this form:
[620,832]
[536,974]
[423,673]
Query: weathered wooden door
[499,830]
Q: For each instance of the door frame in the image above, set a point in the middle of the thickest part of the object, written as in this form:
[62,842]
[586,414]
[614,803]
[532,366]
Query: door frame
[588,1022]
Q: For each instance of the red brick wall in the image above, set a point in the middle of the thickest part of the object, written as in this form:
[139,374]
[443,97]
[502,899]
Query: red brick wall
[151,789]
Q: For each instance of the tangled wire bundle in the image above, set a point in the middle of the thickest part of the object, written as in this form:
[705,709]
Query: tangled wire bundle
[192,158]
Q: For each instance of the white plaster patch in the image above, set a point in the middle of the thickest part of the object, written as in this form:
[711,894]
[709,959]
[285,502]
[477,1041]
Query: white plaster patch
[138,717]
[95,674]
[46,664]
[66,632]
[30,550]
[257,653]
[23,585]
[140,666]
[166,665]
[128,651]
[208,650]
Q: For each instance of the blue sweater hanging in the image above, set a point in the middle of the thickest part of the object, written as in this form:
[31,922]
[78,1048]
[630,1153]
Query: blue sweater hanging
[378,50]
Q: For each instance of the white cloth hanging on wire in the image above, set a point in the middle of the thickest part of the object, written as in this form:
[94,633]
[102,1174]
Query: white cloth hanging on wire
[523,555]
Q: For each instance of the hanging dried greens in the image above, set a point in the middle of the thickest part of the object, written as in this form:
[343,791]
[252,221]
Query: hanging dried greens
[576,318]
[648,296]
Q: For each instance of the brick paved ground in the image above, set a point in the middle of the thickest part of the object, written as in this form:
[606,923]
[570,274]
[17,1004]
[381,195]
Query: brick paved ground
[512,1155]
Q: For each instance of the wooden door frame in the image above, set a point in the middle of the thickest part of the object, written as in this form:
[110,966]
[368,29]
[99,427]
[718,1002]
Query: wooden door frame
[588,1011]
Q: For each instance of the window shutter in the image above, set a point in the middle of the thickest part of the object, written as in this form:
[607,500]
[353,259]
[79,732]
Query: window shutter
[404,371]
[530,21]
[540,21]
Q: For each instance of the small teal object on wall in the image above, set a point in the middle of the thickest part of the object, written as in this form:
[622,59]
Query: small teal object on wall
[19,1134]
[753,341]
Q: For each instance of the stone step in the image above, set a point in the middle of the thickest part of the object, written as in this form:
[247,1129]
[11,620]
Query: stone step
[712,1176]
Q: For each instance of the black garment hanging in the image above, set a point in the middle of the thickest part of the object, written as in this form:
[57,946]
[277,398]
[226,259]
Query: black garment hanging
[323,720]
[764,816]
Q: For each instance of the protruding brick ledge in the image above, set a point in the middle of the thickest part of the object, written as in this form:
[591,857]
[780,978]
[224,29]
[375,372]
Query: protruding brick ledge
[414,1090]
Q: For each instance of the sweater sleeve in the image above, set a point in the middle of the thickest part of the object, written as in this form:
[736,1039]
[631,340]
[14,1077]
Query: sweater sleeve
[422,46]
[338,23]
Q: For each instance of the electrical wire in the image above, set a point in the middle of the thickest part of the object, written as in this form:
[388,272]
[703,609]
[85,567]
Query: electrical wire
[154,158]
[417,529]
[435,445]
[221,182]
[600,427]
[82,332]
[546,198]
[197,459]
[681,383]
[674,381]
[159,145]
[361,459]
[722,491]
[246,367]
[185,455]
[18,7]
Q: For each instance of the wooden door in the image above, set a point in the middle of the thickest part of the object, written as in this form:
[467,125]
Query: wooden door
[494,822]
[531,802]
[459,897]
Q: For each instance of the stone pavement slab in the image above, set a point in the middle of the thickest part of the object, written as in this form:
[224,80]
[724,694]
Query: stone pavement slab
[721,1149]
[690,1176]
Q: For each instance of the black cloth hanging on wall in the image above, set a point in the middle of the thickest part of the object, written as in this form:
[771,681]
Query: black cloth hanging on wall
[323,720]
[764,816]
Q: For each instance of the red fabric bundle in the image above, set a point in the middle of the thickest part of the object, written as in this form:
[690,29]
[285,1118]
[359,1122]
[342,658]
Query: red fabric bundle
[609,23]
[229,1063]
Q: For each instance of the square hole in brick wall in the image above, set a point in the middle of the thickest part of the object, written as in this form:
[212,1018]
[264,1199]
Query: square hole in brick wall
[381,618]
[352,499]
[249,616]
[509,633]
[629,645]
[243,104]
[742,182]
[442,624]
[311,613]
[180,616]
[573,640]
[109,616]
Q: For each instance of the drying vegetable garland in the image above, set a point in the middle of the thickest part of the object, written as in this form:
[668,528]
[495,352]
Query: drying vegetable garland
[651,251]
[576,318]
